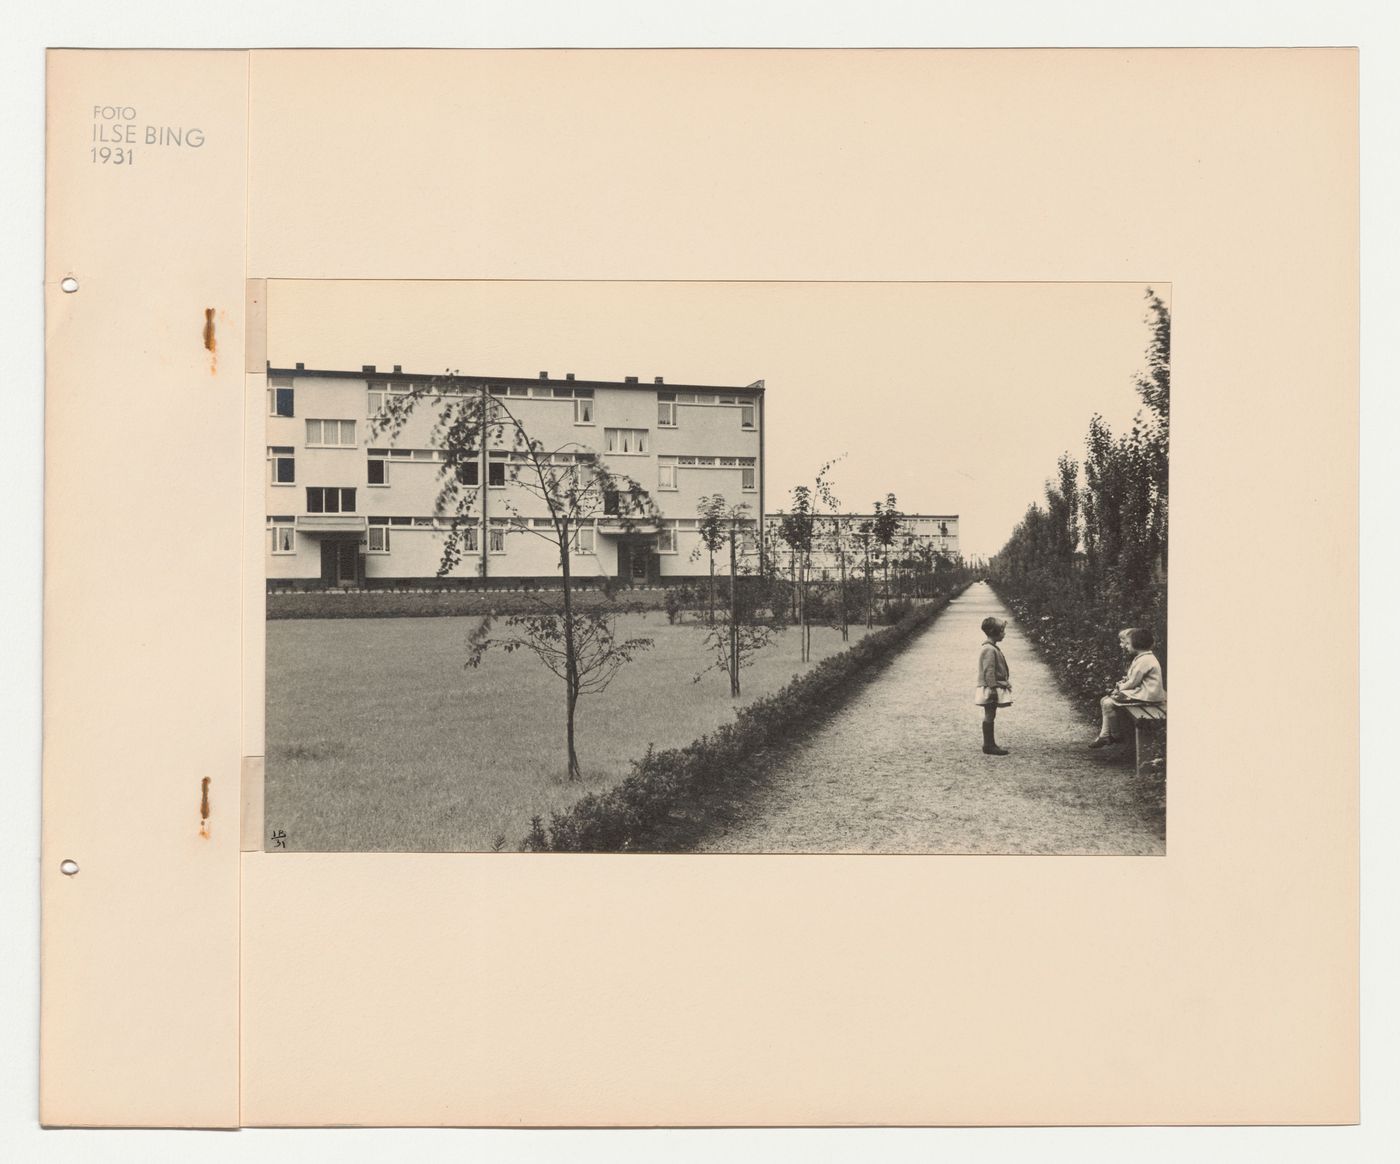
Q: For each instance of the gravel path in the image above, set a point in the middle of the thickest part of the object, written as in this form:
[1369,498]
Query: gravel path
[900,767]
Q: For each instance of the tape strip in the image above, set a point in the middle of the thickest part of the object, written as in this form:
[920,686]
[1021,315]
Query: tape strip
[252,814]
[255,332]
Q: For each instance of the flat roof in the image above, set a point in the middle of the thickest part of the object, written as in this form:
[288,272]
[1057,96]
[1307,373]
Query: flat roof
[397,376]
[872,516]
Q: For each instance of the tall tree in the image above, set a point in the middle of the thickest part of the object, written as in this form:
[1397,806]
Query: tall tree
[1116,512]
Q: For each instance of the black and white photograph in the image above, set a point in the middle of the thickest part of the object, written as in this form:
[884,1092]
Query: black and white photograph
[717,568]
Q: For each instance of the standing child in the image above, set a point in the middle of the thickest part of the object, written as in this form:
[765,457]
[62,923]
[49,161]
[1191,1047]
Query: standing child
[993,683]
[1142,683]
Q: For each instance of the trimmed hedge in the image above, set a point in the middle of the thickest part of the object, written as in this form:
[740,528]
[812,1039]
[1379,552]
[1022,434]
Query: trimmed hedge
[630,816]
[444,603]
[1079,639]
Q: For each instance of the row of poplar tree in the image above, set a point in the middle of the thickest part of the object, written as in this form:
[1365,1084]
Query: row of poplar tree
[1092,558]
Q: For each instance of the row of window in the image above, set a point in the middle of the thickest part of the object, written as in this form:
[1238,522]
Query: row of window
[281,401]
[666,469]
[282,463]
[666,402]
[329,434]
[379,534]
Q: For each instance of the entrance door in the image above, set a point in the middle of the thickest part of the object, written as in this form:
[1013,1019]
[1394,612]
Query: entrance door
[347,564]
[340,563]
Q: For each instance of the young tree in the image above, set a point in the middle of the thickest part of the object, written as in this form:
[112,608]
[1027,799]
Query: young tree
[796,530]
[572,484]
[583,650]
[922,559]
[742,629]
[712,513]
[885,529]
[836,538]
[865,537]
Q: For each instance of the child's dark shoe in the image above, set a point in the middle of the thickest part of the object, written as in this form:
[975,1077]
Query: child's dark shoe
[989,742]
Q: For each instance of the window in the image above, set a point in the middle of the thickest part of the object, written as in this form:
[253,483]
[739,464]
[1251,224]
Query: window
[625,440]
[280,400]
[377,396]
[329,500]
[377,539]
[610,503]
[283,464]
[497,544]
[378,467]
[748,478]
[583,409]
[496,474]
[469,473]
[746,414]
[585,539]
[666,473]
[666,539]
[331,433]
[666,409]
[284,538]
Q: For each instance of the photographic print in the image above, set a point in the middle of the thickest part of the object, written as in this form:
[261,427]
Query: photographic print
[717,568]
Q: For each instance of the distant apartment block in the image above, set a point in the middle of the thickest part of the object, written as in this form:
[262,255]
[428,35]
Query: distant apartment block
[919,534]
[348,508]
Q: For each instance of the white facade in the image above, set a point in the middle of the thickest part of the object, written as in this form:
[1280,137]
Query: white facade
[918,533]
[348,507]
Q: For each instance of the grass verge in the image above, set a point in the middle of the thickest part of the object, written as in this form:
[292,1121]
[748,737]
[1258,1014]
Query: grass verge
[672,797]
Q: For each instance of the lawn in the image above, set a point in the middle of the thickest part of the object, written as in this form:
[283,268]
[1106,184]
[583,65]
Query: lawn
[378,738]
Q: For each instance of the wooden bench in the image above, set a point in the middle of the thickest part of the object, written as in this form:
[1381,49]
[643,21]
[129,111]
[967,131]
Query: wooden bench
[1143,714]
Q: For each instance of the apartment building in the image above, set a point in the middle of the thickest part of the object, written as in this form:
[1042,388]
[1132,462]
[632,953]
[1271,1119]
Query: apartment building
[919,533]
[347,506]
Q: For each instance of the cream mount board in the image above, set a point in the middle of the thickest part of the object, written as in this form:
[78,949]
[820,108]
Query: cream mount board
[191,979]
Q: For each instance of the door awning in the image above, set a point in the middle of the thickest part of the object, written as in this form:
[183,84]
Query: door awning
[617,527]
[332,523]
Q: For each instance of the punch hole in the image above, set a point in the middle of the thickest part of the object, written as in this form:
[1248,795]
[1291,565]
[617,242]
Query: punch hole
[68,867]
[70,285]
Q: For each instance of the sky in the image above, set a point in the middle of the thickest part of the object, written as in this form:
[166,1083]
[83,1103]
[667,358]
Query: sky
[956,397]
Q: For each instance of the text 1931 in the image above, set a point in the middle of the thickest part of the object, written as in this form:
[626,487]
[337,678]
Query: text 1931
[113,156]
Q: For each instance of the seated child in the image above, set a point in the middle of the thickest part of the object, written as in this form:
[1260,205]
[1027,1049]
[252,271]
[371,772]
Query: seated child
[1142,683]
